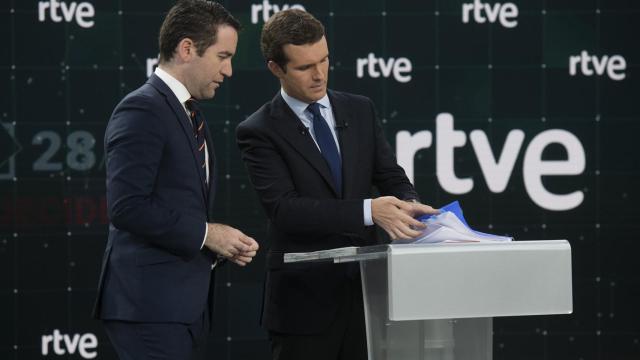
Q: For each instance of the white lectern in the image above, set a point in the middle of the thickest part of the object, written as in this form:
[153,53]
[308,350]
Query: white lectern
[437,301]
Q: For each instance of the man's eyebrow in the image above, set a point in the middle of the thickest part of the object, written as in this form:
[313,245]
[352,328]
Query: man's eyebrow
[312,63]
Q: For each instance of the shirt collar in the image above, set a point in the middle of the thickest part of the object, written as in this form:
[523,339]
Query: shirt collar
[299,107]
[178,89]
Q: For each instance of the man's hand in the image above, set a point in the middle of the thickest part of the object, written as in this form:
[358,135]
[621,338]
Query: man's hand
[396,217]
[230,243]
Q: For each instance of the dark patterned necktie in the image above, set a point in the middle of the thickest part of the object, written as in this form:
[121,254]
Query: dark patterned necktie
[327,145]
[198,123]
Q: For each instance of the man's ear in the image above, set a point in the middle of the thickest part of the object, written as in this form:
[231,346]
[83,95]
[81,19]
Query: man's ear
[275,69]
[186,49]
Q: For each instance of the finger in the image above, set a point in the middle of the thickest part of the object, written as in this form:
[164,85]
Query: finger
[231,252]
[248,253]
[406,235]
[405,206]
[391,234]
[240,246]
[425,209]
[410,221]
[254,245]
[235,247]
[417,224]
[406,232]
[244,259]
[246,246]
[247,240]
[238,262]
[400,204]
[226,253]
[397,235]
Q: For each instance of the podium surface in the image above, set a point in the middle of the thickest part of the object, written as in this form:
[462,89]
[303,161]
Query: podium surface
[437,301]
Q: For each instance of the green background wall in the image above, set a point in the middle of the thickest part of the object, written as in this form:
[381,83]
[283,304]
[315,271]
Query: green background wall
[61,80]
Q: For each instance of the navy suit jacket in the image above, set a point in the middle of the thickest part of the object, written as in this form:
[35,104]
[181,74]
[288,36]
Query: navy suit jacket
[154,269]
[306,213]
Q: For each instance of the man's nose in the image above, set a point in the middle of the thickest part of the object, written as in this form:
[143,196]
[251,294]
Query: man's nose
[318,74]
[227,70]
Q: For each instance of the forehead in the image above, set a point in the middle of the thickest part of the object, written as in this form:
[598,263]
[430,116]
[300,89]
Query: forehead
[227,39]
[306,53]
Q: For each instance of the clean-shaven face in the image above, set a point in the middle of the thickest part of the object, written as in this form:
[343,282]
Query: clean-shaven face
[307,71]
[207,72]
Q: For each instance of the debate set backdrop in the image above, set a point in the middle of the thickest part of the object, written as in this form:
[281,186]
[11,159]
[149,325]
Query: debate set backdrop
[526,111]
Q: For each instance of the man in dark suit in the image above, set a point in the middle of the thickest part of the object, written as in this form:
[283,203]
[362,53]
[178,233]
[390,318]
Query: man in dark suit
[155,290]
[313,156]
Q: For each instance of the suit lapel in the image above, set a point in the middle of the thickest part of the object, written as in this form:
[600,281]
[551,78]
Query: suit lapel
[211,190]
[289,126]
[348,141]
[185,124]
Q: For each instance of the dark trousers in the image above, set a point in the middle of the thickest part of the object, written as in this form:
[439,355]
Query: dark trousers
[345,339]
[171,341]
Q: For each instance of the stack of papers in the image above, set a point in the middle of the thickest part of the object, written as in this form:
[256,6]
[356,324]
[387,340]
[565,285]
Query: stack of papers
[450,226]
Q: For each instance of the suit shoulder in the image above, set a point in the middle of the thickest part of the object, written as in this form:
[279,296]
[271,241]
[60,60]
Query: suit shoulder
[350,97]
[142,108]
[144,94]
[145,99]
[257,119]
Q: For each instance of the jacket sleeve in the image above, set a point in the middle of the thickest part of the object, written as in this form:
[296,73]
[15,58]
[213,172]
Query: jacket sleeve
[134,143]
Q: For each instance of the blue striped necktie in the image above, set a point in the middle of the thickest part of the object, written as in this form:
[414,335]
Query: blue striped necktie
[327,145]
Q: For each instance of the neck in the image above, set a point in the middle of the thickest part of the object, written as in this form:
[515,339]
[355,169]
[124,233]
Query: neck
[172,70]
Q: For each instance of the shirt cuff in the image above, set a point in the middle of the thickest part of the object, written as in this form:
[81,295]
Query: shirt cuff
[366,206]
[206,231]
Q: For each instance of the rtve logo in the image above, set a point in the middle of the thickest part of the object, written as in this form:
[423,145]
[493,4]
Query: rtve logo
[614,65]
[400,68]
[498,168]
[506,13]
[82,12]
[266,9]
[64,344]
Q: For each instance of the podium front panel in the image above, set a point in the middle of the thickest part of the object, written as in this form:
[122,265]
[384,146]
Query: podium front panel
[473,280]
[442,339]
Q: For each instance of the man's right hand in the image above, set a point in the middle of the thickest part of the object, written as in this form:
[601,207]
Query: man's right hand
[230,243]
[396,217]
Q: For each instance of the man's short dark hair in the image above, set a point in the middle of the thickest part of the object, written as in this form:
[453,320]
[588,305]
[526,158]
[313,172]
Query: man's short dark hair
[292,26]
[197,20]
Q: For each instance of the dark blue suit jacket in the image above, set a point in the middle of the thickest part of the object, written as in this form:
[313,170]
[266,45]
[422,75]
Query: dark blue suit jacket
[154,269]
[306,213]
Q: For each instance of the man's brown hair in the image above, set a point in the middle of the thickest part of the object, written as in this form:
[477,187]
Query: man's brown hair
[292,26]
[197,20]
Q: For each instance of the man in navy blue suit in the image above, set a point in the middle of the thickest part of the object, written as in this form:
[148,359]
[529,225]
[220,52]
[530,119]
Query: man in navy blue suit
[156,285]
[313,155]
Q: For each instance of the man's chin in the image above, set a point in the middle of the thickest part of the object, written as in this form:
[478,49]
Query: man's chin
[208,95]
[318,94]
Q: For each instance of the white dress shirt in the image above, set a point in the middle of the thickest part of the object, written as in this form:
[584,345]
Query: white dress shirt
[300,109]
[181,92]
